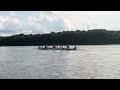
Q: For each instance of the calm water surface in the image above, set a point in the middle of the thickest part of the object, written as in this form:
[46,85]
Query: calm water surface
[88,62]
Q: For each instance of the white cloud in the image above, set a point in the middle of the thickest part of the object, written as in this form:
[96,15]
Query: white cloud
[93,19]
[47,21]
[44,22]
[12,14]
[10,25]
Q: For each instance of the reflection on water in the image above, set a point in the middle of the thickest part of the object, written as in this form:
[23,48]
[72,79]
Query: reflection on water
[88,62]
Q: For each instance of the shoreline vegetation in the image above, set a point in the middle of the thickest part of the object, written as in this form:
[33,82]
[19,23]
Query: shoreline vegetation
[78,37]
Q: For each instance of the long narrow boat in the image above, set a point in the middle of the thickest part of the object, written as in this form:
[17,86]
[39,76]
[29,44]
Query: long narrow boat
[57,49]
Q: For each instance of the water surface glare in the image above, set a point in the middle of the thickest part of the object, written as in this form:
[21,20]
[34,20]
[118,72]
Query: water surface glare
[88,62]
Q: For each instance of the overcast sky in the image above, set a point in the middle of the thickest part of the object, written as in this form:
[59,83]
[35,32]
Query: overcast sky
[15,22]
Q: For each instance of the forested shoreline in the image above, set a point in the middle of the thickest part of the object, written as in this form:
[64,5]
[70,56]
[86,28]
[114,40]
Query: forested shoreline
[78,37]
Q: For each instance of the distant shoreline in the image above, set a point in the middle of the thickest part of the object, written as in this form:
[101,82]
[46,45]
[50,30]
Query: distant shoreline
[63,45]
[90,37]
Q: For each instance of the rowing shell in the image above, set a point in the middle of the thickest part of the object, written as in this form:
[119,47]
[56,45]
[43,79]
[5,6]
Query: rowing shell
[56,49]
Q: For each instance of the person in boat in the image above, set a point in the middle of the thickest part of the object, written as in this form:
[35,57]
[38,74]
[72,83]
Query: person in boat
[39,47]
[59,47]
[46,47]
[54,47]
[75,47]
[62,47]
[68,47]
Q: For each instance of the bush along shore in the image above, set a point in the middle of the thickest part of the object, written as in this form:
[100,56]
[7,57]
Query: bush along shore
[78,37]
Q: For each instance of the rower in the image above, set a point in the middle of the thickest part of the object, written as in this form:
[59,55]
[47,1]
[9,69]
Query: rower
[45,46]
[68,47]
[39,47]
[75,47]
[54,46]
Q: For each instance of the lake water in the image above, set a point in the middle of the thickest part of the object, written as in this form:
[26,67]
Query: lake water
[88,62]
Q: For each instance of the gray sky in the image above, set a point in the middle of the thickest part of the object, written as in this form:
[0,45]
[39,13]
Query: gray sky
[15,22]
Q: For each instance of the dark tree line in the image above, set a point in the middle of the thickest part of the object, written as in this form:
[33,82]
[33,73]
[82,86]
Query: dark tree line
[96,36]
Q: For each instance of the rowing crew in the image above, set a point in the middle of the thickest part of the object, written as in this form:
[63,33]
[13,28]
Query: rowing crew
[55,47]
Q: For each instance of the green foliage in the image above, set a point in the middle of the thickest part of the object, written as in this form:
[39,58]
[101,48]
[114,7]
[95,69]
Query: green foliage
[78,37]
